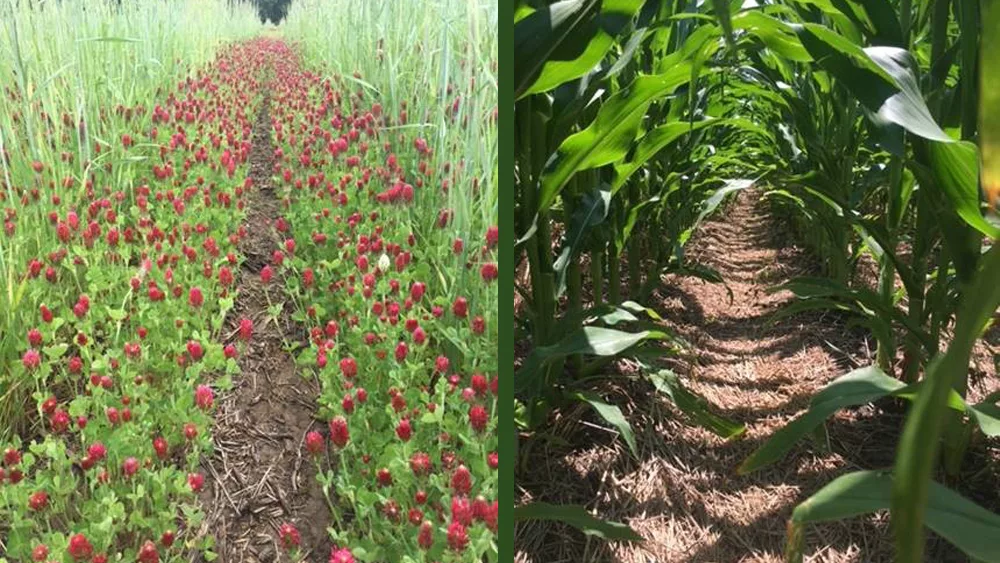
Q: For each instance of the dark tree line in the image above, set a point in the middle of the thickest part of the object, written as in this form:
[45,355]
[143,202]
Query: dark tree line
[270,10]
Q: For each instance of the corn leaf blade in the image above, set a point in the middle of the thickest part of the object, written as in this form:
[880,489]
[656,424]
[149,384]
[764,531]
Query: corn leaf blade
[968,526]
[612,132]
[577,517]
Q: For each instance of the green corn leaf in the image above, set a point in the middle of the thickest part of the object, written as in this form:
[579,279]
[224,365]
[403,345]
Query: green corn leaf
[701,272]
[858,387]
[538,33]
[566,40]
[776,35]
[626,312]
[722,14]
[883,23]
[579,518]
[919,444]
[589,340]
[847,18]
[955,170]
[865,302]
[847,62]
[596,341]
[637,308]
[728,188]
[612,132]
[888,29]
[655,141]
[883,79]
[590,213]
[694,406]
[986,415]
[906,107]
[613,416]
[614,315]
[625,231]
[849,495]
[968,526]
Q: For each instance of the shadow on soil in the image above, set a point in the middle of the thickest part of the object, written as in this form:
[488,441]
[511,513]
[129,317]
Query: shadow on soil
[578,461]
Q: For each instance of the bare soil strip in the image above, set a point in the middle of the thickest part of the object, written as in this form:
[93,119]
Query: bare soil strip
[683,494]
[259,477]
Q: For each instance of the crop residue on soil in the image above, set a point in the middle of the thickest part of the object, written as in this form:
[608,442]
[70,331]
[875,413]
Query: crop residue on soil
[682,494]
[259,477]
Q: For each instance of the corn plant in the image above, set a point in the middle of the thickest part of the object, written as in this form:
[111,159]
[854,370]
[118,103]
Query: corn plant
[848,172]
[619,108]
[863,121]
[919,101]
[616,118]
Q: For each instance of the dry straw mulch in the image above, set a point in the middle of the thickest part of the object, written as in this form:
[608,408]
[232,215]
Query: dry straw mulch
[682,493]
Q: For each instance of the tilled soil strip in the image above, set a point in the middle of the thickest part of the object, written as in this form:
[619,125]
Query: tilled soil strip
[258,477]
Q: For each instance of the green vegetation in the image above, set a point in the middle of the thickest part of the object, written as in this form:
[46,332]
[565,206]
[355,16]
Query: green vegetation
[861,122]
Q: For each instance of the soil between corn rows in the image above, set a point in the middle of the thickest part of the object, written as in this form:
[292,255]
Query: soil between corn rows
[682,494]
[258,477]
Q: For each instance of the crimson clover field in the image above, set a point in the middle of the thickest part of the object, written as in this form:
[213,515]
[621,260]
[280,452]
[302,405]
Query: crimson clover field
[247,283]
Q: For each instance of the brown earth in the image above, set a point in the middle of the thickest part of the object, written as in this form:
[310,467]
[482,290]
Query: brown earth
[259,477]
[682,493]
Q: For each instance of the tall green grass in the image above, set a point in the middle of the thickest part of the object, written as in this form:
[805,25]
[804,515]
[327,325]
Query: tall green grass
[413,51]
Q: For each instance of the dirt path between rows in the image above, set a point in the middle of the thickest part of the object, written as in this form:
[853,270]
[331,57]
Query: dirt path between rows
[259,476]
[682,494]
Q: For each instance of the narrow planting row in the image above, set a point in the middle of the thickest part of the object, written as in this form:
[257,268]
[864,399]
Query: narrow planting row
[399,301]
